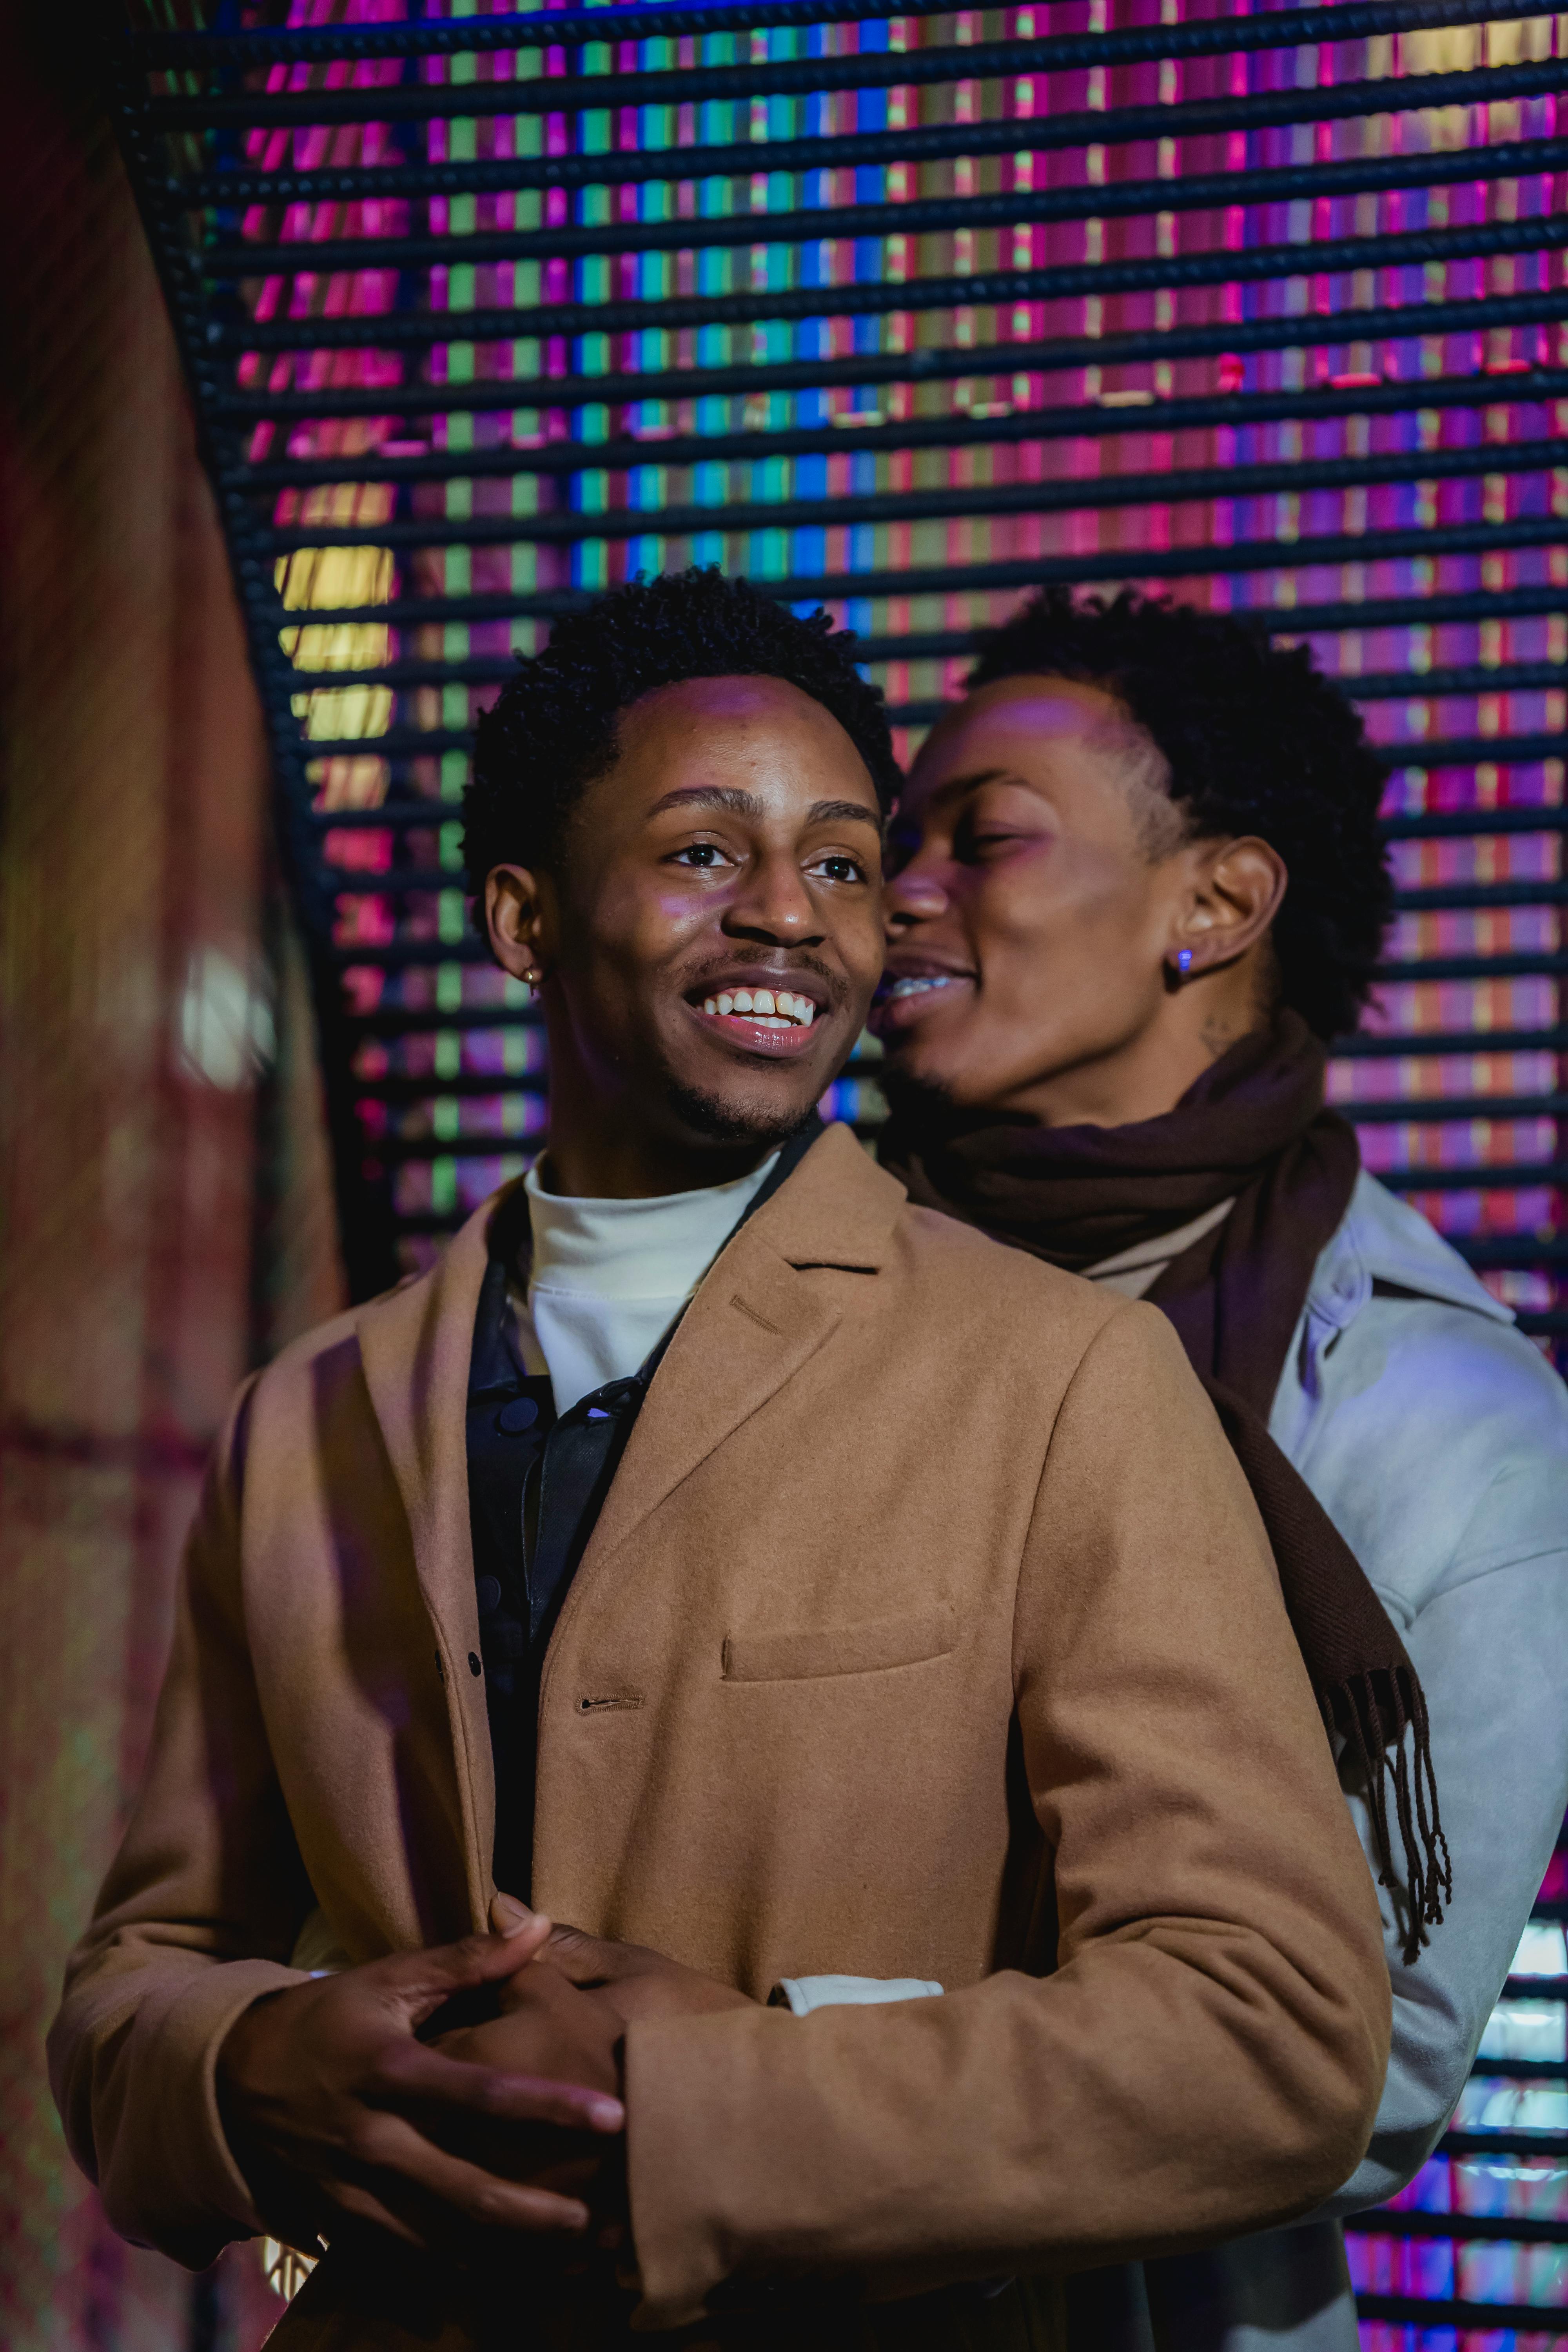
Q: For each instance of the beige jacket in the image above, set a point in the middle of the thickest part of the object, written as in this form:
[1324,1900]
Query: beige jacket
[928,1628]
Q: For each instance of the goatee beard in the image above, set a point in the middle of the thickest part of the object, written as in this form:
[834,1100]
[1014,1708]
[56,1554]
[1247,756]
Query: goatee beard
[722,1122]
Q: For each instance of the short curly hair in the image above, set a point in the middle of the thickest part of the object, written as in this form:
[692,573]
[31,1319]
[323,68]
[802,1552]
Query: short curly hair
[1254,740]
[552,728]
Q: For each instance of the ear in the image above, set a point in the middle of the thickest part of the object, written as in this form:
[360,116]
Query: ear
[1235,887]
[518,905]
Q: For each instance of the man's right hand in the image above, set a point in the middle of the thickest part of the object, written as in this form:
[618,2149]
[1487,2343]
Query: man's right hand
[326,2096]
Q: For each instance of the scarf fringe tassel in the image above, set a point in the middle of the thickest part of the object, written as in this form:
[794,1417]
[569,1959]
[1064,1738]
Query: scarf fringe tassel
[1354,1708]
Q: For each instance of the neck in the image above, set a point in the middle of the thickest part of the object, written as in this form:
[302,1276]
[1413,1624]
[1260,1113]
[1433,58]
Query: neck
[1147,1076]
[604,1147]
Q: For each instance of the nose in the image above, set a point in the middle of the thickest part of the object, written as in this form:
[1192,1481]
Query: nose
[915,894]
[774,906]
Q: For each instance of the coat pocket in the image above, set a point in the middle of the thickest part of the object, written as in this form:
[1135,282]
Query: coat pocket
[823,1649]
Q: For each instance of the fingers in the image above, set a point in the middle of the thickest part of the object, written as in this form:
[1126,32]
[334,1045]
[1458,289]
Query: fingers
[509,1916]
[361,2206]
[582,1959]
[409,2070]
[427,1978]
[389,2144]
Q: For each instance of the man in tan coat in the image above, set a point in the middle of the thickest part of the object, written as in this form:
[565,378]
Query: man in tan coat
[865,1600]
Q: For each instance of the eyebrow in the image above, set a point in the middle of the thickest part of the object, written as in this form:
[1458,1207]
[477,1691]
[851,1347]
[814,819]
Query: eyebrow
[958,784]
[736,802]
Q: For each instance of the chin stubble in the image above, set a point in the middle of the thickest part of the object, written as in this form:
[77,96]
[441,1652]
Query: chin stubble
[725,1122]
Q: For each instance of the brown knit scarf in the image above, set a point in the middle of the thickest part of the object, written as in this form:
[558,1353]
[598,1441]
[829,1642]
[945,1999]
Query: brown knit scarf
[1254,1129]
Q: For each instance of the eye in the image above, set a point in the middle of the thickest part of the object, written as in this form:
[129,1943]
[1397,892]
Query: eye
[975,841]
[838,867]
[701,856]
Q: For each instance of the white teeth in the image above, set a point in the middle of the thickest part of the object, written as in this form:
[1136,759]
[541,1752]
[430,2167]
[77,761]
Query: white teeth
[918,987]
[770,1008]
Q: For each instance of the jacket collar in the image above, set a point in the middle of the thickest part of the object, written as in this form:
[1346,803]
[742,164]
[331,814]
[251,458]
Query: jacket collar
[751,1325]
[1382,1239]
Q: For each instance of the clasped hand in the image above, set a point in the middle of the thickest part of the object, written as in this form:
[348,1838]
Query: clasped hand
[346,2103]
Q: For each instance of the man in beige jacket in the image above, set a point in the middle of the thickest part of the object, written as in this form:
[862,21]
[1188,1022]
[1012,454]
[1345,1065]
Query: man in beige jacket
[879,1600]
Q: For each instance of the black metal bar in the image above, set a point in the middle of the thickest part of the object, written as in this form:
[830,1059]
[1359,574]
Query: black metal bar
[1511,1176]
[1431,2312]
[1217,35]
[1123,564]
[1382,1045]
[1404,754]
[403,1149]
[421,1020]
[1522,2070]
[1435,685]
[465,1084]
[1067,495]
[959,430]
[1554,1988]
[1465,2228]
[1299,621]
[421,330]
[1457,898]
[693,85]
[1541,963]
[1419,1111]
[1525,1253]
[1420,686]
[1508,2142]
[1192,119]
[576,93]
[1052,356]
[1435,1110]
[1447,751]
[1102,201]
[1449,825]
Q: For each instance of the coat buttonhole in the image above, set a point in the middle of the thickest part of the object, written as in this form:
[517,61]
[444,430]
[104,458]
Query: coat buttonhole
[752,1316]
[610,1700]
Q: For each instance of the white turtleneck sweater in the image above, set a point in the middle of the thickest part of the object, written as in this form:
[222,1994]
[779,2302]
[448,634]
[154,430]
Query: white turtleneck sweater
[609,1277]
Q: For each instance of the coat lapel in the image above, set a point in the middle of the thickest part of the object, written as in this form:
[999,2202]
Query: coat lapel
[751,1326]
[415,1347]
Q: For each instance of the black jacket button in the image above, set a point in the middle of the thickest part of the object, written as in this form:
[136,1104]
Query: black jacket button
[473,1664]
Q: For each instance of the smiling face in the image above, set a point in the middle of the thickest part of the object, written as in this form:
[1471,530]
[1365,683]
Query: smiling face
[713,936]
[1042,886]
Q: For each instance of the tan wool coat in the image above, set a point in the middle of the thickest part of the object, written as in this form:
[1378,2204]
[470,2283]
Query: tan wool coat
[927,1629]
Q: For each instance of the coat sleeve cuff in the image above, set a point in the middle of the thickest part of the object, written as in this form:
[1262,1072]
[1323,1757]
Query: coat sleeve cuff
[195,2198]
